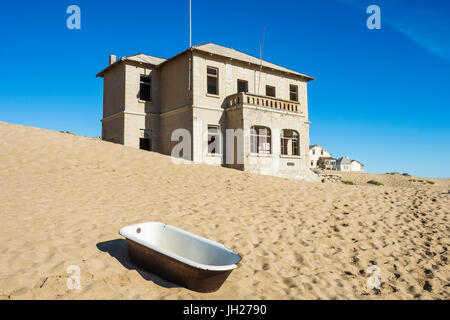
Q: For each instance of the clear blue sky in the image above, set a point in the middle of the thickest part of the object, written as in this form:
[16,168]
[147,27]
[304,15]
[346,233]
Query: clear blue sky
[380,96]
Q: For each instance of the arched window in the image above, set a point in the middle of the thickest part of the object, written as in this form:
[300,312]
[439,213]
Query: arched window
[290,142]
[260,140]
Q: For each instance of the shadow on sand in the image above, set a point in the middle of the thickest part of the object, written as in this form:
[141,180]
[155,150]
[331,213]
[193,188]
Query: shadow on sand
[118,249]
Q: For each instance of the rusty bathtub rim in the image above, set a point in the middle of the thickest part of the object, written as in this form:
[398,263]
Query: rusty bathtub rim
[124,232]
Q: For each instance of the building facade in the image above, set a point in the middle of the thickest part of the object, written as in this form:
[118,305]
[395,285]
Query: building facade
[327,163]
[344,164]
[356,166]
[315,153]
[239,111]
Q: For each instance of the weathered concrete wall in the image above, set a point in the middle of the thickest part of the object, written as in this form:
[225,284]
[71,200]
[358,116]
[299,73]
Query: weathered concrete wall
[174,106]
[229,71]
[235,121]
[232,70]
[134,128]
[175,84]
[113,104]
[113,129]
[114,91]
[140,115]
[275,163]
[203,117]
[177,119]
[133,71]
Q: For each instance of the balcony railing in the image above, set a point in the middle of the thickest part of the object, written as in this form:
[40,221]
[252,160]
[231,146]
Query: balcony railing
[238,99]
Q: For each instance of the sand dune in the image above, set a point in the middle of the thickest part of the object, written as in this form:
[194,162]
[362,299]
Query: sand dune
[63,199]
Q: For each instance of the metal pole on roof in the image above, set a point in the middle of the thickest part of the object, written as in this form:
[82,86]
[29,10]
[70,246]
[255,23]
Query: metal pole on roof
[261,51]
[190,47]
[190,25]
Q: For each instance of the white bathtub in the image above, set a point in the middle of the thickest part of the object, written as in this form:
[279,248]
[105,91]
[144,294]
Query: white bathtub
[180,256]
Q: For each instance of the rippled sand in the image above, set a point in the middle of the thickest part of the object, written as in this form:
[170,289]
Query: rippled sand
[63,199]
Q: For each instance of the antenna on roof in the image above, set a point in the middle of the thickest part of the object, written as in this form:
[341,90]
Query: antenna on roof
[190,25]
[261,51]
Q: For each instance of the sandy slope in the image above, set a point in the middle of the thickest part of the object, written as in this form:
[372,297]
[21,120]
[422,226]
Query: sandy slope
[63,199]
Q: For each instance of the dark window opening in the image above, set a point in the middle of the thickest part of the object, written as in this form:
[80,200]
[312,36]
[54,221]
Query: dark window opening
[145,144]
[145,88]
[270,91]
[213,139]
[213,80]
[293,92]
[242,86]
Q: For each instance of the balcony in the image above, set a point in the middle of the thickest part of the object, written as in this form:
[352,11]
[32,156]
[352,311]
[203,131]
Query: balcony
[241,98]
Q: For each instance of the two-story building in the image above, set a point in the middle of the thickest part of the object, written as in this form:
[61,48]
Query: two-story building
[316,152]
[240,111]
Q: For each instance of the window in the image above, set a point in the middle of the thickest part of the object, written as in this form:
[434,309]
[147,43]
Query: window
[293,92]
[321,152]
[289,142]
[270,91]
[312,163]
[242,86]
[213,80]
[145,144]
[260,140]
[314,151]
[145,88]
[213,139]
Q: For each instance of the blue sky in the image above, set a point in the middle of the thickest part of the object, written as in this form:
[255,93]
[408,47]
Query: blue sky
[380,96]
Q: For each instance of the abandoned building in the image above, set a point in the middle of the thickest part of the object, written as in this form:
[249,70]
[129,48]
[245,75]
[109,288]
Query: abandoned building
[345,164]
[315,153]
[320,158]
[327,163]
[206,90]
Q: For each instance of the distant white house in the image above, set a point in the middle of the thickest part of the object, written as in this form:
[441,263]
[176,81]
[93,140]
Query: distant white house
[356,166]
[319,157]
[344,164]
[315,153]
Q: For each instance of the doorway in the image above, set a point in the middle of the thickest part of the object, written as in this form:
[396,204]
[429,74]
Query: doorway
[145,144]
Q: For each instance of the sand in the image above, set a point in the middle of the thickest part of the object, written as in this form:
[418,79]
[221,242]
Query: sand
[63,199]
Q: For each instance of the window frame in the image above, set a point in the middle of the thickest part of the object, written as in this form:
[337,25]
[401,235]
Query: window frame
[143,83]
[274,91]
[293,92]
[246,85]
[295,144]
[217,150]
[257,138]
[213,76]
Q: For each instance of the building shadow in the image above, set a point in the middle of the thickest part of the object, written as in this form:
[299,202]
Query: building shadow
[118,249]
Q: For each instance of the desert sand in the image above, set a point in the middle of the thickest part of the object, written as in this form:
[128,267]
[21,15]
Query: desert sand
[63,199]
